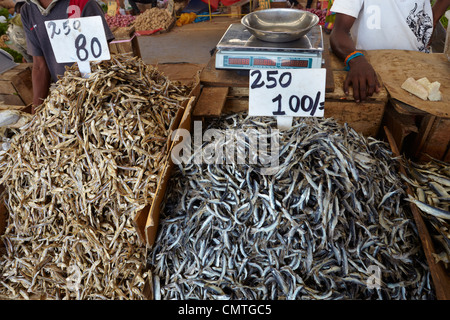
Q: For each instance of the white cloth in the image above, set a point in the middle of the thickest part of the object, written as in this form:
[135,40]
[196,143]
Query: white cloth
[389,24]
[42,10]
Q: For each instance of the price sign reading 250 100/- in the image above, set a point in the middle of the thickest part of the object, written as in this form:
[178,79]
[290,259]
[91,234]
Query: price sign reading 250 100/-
[287,92]
[78,40]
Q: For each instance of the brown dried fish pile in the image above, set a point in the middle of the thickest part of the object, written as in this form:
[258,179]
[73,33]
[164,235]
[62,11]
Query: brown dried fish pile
[153,19]
[75,177]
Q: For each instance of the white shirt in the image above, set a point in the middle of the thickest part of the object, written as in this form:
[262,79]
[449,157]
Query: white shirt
[389,24]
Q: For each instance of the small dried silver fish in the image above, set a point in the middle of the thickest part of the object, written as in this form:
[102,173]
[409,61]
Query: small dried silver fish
[330,223]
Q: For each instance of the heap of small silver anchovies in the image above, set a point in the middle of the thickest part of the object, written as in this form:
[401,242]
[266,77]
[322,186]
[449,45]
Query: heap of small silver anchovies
[431,184]
[76,175]
[329,224]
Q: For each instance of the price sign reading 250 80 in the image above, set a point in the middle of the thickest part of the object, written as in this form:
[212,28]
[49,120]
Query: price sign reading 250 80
[78,40]
[287,92]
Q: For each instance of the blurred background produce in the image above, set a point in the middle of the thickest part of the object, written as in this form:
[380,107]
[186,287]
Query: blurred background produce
[7,23]
[119,20]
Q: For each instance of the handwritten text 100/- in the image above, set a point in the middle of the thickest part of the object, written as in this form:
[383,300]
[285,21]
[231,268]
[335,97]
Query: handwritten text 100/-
[304,104]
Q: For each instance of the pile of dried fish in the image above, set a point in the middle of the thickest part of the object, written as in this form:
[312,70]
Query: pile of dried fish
[10,119]
[76,175]
[13,118]
[431,184]
[153,19]
[329,224]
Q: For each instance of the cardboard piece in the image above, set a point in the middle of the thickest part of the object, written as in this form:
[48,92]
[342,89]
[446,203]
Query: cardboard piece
[146,221]
[395,66]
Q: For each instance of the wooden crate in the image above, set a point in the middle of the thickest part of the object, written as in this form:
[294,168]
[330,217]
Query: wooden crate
[433,139]
[278,4]
[439,275]
[365,117]
[235,9]
[418,134]
[125,41]
[16,86]
[431,118]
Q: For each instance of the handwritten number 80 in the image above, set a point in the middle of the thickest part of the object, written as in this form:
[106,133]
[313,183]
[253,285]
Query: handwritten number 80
[80,41]
[82,52]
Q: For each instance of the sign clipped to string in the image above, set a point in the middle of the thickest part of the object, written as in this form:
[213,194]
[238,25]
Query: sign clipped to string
[287,93]
[78,40]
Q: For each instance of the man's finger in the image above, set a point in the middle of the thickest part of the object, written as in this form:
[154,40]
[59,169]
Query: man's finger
[377,84]
[356,91]
[371,86]
[347,84]
[362,89]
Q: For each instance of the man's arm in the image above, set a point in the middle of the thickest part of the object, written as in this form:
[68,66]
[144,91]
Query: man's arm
[40,77]
[439,9]
[361,75]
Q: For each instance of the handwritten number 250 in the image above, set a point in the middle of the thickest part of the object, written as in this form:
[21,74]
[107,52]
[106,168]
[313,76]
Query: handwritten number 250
[283,81]
[66,27]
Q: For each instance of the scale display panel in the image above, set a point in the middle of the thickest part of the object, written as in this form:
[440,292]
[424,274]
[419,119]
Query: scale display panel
[239,49]
[243,61]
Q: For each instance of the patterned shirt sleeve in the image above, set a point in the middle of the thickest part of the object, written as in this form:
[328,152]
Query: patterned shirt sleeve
[33,46]
[348,7]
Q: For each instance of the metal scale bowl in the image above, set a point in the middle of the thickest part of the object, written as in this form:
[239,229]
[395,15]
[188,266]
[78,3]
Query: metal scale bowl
[255,42]
[279,25]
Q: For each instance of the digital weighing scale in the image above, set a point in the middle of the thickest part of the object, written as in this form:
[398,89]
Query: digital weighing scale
[239,49]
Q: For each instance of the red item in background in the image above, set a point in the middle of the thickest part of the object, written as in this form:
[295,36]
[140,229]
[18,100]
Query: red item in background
[215,3]
[147,32]
[320,13]
[76,8]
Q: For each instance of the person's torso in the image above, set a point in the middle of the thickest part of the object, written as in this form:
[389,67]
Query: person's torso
[36,24]
[393,24]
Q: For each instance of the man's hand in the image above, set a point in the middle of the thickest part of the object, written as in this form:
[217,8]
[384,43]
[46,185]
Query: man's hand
[363,79]
[361,76]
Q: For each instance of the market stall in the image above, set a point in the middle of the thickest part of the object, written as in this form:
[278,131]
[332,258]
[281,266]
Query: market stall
[15,84]
[129,184]
[427,120]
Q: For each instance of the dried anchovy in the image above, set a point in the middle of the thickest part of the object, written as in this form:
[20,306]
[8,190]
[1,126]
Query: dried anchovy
[431,184]
[153,19]
[76,175]
[316,229]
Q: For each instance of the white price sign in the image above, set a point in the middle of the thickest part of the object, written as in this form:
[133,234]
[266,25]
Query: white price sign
[78,40]
[287,92]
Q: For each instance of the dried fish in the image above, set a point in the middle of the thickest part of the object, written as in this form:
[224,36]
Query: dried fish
[430,182]
[330,223]
[76,176]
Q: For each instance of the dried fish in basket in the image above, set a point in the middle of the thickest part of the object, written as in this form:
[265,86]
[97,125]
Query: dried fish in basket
[431,184]
[330,222]
[76,175]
